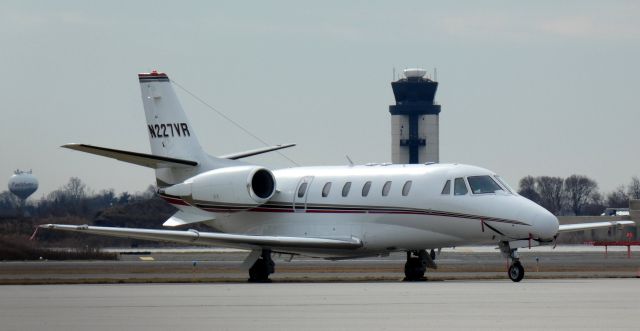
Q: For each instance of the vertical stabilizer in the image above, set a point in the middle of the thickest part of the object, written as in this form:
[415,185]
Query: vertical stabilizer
[170,132]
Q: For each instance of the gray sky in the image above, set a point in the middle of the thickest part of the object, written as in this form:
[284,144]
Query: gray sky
[543,88]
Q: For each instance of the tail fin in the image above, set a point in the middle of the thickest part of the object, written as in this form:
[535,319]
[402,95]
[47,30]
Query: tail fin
[170,133]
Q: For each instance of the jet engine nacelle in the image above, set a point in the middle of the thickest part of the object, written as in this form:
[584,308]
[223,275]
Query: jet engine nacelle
[233,188]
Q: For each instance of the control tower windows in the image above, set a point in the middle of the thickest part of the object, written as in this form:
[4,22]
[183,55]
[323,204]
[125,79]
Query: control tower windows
[459,187]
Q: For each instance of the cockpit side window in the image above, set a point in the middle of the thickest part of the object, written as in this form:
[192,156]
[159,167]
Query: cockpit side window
[505,185]
[447,187]
[483,184]
[459,187]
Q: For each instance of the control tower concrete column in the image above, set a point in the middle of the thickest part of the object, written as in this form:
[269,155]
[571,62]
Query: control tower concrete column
[414,119]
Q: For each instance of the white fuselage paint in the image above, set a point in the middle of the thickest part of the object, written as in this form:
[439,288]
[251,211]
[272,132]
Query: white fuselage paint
[424,218]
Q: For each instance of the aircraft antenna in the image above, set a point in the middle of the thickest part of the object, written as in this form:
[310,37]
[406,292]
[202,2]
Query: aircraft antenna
[349,159]
[231,121]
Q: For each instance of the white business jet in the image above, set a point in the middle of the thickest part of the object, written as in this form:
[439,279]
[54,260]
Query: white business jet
[336,212]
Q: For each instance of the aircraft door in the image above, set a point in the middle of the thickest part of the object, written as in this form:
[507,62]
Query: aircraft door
[301,193]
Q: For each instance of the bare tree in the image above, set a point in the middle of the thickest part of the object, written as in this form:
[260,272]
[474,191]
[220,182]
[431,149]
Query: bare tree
[578,191]
[528,189]
[75,189]
[595,206]
[618,198]
[550,191]
[634,188]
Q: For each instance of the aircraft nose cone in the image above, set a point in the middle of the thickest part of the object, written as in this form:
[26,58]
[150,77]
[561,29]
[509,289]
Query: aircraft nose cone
[545,224]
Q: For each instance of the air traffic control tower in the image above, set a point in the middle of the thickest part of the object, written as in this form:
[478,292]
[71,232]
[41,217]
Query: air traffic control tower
[414,119]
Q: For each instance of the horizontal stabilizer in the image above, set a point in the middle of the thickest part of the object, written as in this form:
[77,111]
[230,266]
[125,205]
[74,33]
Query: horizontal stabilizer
[253,152]
[214,238]
[595,225]
[145,160]
[182,218]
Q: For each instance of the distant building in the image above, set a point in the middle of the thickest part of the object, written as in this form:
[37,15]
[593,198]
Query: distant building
[414,119]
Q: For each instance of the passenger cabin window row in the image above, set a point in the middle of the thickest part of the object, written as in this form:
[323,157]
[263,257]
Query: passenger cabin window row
[346,188]
[478,185]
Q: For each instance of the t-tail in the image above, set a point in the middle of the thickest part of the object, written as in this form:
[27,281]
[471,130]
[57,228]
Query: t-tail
[176,154]
[171,135]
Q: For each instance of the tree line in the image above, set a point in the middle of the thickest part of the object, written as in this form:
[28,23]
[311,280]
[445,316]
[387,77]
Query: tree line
[576,195]
[72,199]
[75,203]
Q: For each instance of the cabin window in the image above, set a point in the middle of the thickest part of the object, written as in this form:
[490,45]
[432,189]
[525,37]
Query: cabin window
[365,188]
[459,187]
[346,188]
[386,188]
[483,185]
[325,189]
[447,187]
[302,189]
[406,188]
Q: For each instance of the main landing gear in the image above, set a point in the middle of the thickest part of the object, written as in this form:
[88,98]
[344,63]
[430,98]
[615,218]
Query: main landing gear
[262,268]
[516,270]
[417,264]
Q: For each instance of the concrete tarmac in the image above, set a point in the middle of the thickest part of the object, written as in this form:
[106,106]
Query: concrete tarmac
[593,304]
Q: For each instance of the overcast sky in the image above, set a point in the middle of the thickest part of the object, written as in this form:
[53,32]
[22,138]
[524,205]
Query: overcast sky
[542,88]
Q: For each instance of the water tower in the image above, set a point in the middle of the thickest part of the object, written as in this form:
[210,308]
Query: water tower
[23,184]
[414,119]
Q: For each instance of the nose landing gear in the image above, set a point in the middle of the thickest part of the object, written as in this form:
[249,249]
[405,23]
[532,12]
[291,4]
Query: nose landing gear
[516,270]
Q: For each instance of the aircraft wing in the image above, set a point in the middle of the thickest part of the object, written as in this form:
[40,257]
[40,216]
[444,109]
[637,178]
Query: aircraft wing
[595,225]
[213,238]
[145,160]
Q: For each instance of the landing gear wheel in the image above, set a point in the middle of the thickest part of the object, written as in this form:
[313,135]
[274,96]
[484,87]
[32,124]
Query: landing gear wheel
[516,272]
[262,268]
[413,270]
[415,267]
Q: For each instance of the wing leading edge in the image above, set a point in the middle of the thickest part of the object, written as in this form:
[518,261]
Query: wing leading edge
[595,225]
[214,238]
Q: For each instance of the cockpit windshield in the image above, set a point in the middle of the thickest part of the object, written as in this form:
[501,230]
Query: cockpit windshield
[483,185]
[505,185]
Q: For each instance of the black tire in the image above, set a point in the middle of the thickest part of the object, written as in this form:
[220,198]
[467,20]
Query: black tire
[413,270]
[259,272]
[516,272]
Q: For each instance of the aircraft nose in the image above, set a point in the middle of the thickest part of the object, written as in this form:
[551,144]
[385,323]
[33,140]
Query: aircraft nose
[545,224]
